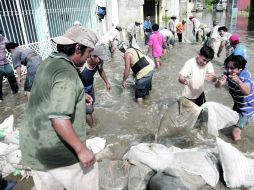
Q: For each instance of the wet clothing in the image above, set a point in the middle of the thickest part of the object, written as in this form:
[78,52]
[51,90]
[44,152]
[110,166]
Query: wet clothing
[242,104]
[240,50]
[143,85]
[6,69]
[196,75]
[57,92]
[25,56]
[87,77]
[143,77]
[156,41]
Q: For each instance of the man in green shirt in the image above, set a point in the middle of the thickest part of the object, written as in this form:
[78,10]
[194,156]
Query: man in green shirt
[53,130]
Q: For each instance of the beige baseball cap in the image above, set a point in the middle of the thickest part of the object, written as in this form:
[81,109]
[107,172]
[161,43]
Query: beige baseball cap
[101,52]
[77,34]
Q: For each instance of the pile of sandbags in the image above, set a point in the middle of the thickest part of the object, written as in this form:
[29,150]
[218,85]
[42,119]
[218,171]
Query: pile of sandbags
[168,162]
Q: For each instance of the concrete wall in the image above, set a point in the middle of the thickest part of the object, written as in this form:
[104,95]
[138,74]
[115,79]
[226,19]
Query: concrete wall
[129,12]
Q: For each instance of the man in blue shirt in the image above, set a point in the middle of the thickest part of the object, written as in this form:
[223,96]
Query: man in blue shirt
[239,49]
[147,28]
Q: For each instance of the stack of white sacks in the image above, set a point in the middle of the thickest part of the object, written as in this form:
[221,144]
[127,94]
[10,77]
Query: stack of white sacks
[10,154]
[238,169]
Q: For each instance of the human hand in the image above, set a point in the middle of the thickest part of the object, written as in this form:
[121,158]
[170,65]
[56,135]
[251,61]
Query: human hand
[184,80]
[123,84]
[109,87]
[209,76]
[235,78]
[89,99]
[222,78]
[86,157]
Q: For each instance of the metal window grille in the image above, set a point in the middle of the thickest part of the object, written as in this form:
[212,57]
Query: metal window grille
[34,22]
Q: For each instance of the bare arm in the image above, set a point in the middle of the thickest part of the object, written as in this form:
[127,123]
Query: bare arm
[244,87]
[222,45]
[221,81]
[183,80]
[127,59]
[148,50]
[18,71]
[65,130]
[104,77]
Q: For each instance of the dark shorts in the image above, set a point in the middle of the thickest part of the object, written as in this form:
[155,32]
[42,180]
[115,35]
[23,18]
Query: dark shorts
[29,82]
[144,85]
[89,107]
[200,100]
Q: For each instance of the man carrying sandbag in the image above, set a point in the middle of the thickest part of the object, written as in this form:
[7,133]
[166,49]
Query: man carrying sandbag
[142,69]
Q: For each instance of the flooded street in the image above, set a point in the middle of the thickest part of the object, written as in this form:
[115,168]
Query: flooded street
[123,122]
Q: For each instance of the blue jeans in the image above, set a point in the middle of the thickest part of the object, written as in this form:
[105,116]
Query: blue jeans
[243,121]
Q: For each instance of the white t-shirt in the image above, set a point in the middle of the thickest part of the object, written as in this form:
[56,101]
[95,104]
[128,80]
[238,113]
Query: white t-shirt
[110,35]
[196,75]
[132,29]
[196,23]
[228,47]
[166,33]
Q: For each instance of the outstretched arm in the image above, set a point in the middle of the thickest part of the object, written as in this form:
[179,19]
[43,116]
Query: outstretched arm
[127,59]
[104,78]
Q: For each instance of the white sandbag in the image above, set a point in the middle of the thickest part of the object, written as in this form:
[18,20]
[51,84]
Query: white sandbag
[139,176]
[199,163]
[113,174]
[12,137]
[6,126]
[219,117]
[238,170]
[96,144]
[3,148]
[156,156]
[7,148]
[14,157]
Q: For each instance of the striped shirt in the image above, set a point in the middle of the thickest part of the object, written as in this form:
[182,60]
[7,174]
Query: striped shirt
[243,104]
